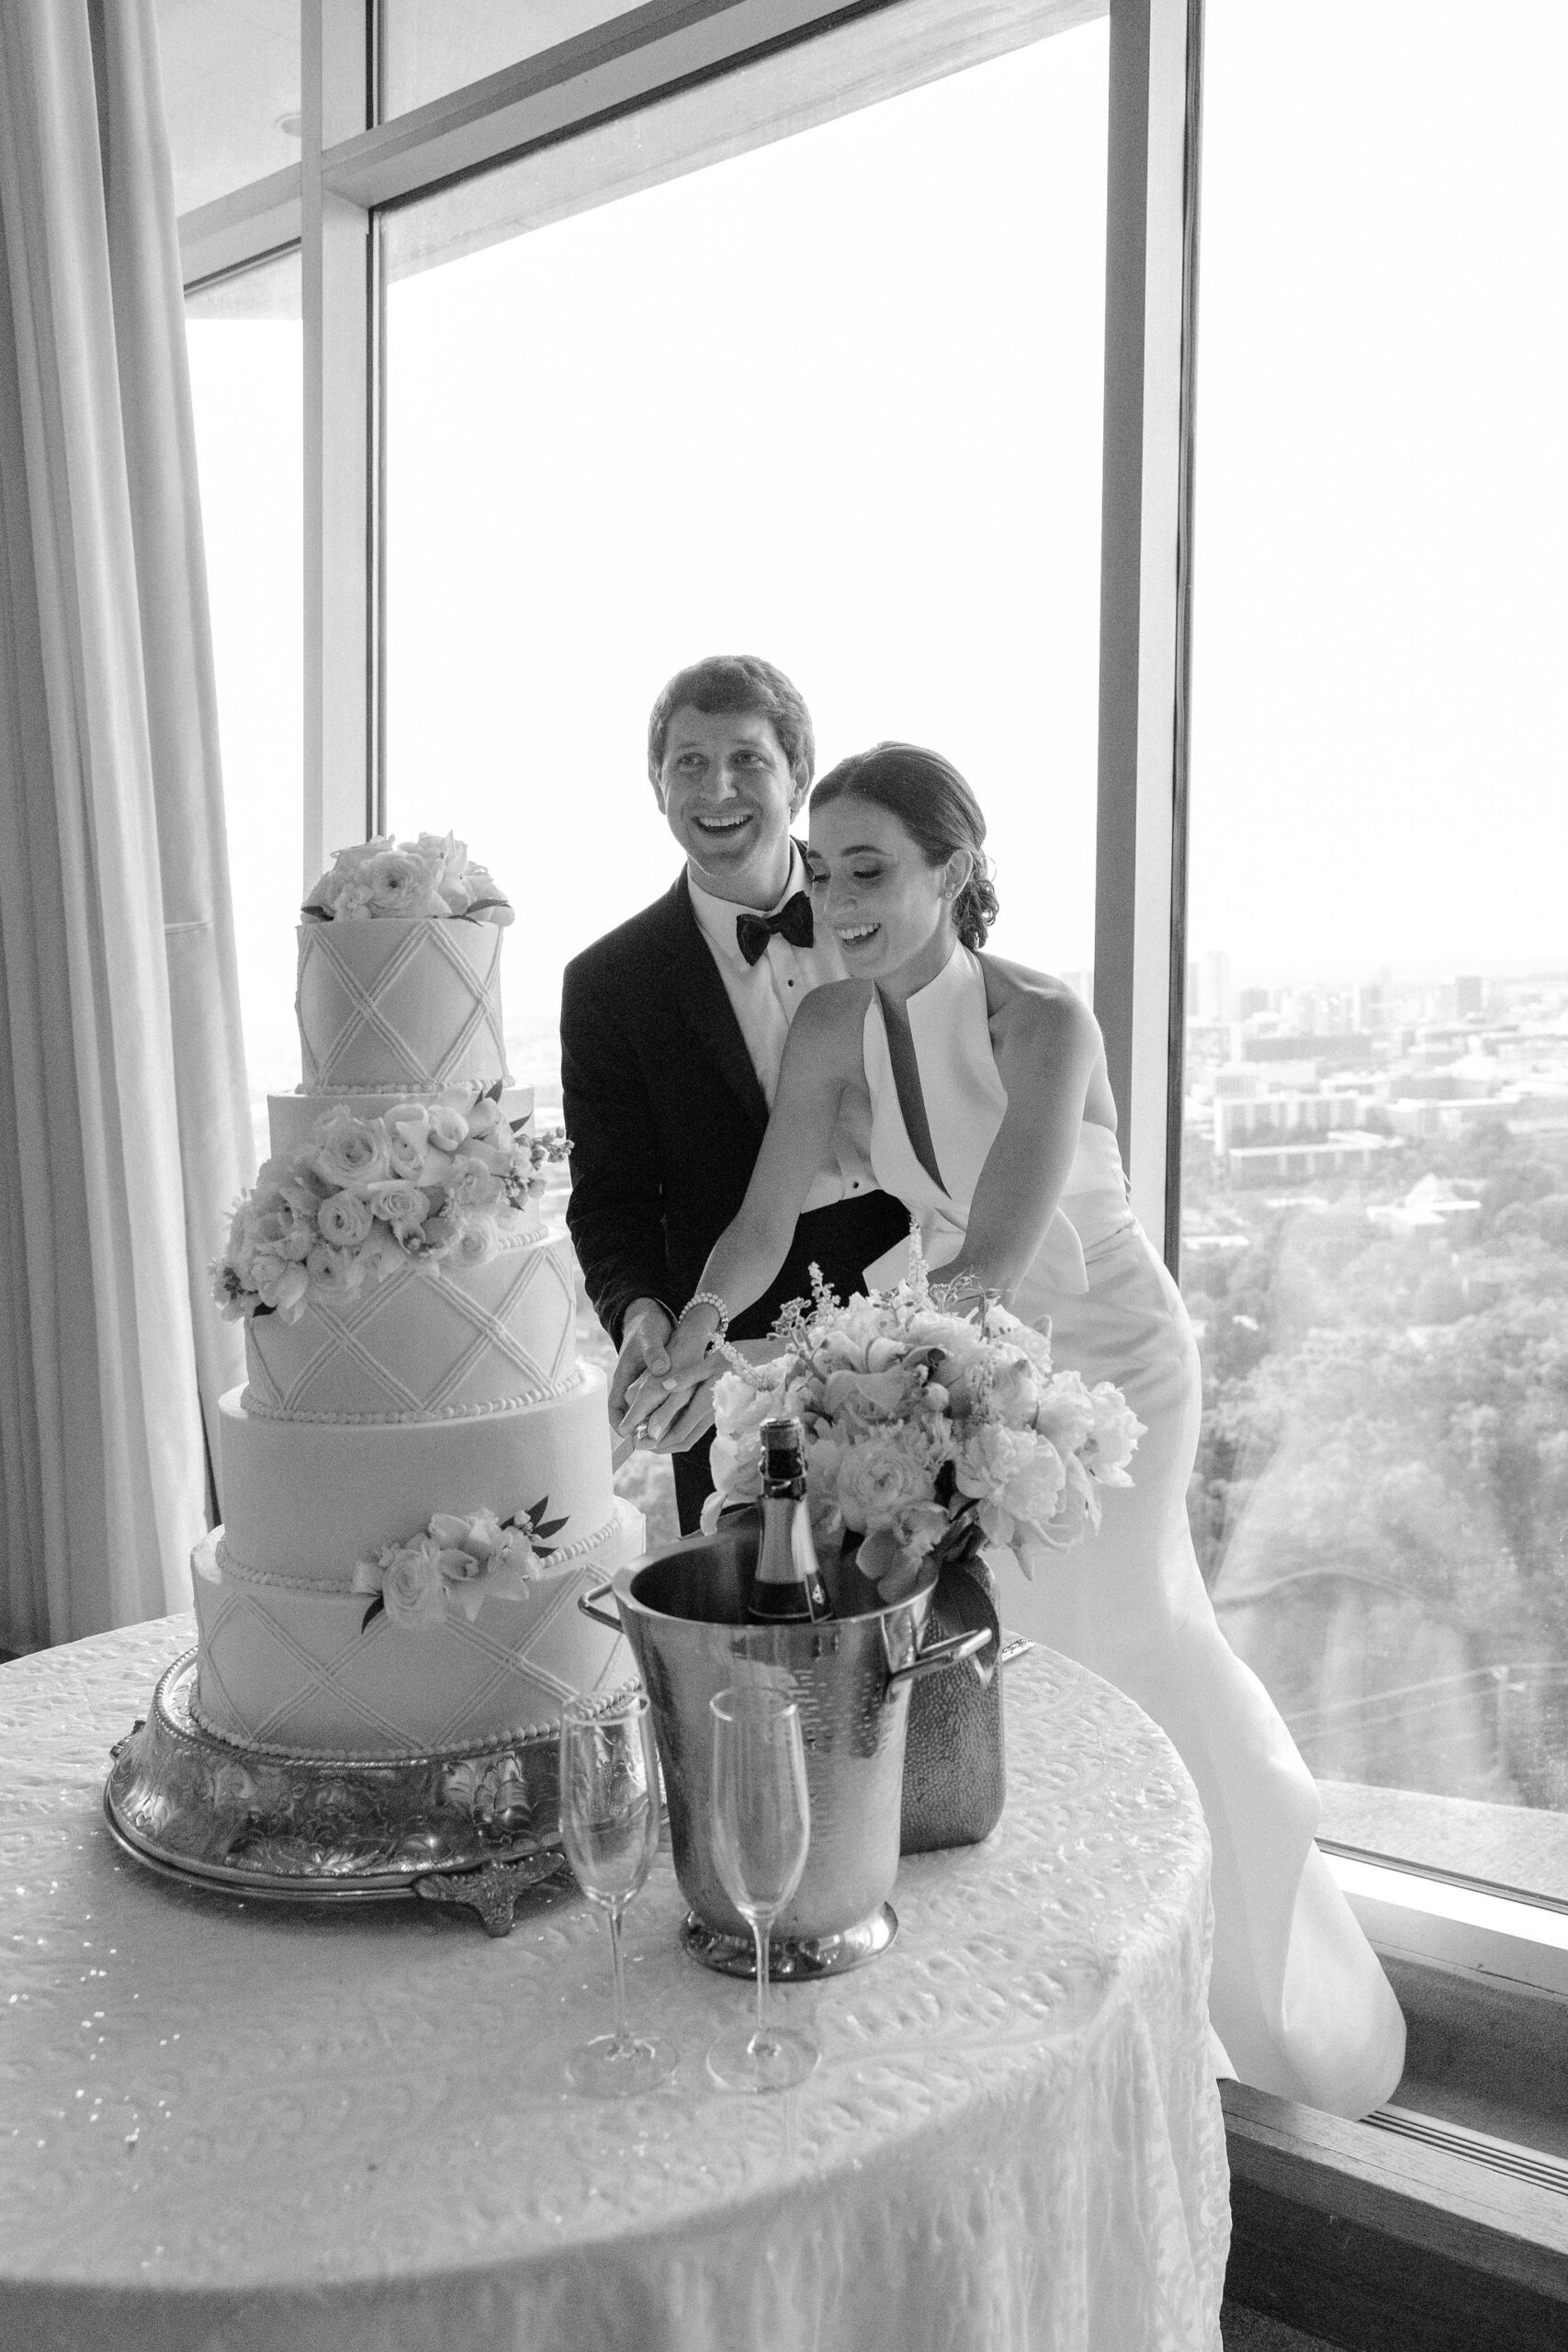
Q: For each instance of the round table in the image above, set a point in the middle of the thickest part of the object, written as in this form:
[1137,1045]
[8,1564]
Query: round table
[236,2125]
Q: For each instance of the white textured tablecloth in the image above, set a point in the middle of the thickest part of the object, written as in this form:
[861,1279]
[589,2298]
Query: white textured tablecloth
[247,2126]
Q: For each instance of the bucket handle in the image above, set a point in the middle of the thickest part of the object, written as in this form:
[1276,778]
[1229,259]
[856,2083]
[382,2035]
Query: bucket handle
[587,1602]
[954,1649]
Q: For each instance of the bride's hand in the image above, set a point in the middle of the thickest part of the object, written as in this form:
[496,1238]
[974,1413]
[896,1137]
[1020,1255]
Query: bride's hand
[671,1409]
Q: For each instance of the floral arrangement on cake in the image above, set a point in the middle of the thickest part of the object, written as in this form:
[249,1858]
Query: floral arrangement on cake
[433,876]
[422,1179]
[462,1559]
[928,1431]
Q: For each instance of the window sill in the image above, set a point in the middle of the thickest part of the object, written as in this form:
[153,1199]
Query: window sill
[1452,1924]
[1386,2237]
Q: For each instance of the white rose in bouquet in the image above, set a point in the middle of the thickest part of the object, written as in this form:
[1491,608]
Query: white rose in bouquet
[881,1475]
[1065,1412]
[1014,1394]
[1117,1429]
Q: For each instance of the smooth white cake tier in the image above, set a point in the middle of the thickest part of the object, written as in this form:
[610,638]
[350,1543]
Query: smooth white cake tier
[291,1119]
[414,1005]
[293,1669]
[429,1340]
[307,1499]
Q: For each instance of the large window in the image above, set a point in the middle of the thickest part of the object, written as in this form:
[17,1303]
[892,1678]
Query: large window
[1374,961]
[243,338]
[1375,1181]
[836,400]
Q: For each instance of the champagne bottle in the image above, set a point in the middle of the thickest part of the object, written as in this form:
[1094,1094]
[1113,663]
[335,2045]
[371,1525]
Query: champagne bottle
[788,1588]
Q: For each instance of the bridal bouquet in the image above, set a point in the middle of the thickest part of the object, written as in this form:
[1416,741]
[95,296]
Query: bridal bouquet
[432,877]
[928,1431]
[421,1179]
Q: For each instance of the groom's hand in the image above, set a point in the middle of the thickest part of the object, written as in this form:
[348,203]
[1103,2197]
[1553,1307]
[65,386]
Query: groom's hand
[647,1328]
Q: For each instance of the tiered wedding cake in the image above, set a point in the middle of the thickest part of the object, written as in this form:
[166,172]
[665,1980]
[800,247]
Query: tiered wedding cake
[415,1478]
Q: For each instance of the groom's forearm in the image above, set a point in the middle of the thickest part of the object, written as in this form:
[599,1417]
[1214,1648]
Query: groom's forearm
[619,1240]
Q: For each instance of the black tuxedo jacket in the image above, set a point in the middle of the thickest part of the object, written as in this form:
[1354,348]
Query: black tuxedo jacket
[666,1116]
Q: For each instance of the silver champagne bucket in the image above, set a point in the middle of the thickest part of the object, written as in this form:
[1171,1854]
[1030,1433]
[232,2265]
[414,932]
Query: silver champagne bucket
[682,1608]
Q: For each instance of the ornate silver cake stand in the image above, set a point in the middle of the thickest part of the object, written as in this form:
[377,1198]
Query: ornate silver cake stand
[479,1827]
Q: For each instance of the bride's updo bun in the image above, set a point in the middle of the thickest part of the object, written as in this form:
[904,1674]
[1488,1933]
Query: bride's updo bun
[937,810]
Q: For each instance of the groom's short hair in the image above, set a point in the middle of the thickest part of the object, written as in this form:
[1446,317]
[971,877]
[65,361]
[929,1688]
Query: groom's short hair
[730,682]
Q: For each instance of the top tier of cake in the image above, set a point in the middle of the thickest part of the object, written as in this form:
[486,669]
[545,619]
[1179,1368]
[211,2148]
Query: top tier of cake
[410,1007]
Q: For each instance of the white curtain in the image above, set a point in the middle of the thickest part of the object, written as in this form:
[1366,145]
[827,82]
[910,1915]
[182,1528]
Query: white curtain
[124,1131]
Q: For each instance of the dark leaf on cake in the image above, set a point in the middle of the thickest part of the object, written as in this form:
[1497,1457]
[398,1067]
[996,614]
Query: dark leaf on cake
[375,1609]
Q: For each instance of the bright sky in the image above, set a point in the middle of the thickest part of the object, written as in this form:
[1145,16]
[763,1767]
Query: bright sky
[838,400]
[808,403]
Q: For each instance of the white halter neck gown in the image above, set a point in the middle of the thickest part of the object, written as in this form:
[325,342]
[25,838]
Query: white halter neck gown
[1297,1995]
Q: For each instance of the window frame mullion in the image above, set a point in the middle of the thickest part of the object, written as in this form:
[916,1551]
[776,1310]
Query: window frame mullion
[340,501]
[1145,544]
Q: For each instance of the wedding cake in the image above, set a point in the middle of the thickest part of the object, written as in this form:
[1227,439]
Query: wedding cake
[415,1477]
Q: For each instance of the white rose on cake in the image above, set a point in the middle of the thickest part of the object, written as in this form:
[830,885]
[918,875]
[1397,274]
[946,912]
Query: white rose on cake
[351,1152]
[431,879]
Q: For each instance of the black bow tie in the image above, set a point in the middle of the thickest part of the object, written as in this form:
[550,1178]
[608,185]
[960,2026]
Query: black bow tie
[753,932]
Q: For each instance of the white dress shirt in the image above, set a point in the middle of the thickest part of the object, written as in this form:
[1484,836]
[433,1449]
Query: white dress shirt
[764,995]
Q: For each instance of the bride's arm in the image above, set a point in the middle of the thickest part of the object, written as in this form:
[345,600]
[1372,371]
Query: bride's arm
[1047,1049]
[817,1065]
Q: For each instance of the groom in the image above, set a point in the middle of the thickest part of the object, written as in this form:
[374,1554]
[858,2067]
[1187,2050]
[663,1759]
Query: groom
[673,1029]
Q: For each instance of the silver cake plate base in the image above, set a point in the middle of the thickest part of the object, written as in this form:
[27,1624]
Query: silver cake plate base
[478,1827]
[791,1959]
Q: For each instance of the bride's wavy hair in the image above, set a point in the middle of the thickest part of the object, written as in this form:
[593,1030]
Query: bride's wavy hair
[936,808]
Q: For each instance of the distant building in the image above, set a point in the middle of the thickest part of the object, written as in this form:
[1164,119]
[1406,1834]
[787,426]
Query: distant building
[1216,999]
[1343,1153]
[1416,1116]
[1430,1207]
[1250,1002]
[1343,1049]
[1470,997]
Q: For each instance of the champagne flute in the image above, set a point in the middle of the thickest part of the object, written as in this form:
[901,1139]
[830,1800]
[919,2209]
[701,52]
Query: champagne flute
[762,1828]
[609,1825]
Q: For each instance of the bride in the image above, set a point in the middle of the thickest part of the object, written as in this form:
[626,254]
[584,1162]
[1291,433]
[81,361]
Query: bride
[991,1117]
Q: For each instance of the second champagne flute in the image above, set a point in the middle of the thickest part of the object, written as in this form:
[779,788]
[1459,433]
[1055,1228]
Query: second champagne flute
[761,1829]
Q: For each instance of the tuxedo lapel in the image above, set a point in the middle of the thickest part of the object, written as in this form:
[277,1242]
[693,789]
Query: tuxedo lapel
[705,1002]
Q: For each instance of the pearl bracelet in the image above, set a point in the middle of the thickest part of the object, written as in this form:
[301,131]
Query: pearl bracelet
[709,1298]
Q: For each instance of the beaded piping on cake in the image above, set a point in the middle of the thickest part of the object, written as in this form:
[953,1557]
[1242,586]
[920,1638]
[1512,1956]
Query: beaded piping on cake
[366,1014]
[492,1663]
[346,1329]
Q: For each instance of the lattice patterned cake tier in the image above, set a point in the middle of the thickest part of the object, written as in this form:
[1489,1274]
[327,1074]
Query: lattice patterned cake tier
[430,1338]
[399,1004]
[299,1671]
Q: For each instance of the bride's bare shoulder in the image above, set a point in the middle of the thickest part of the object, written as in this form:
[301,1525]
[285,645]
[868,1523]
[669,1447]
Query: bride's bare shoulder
[1024,1004]
[834,1015]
